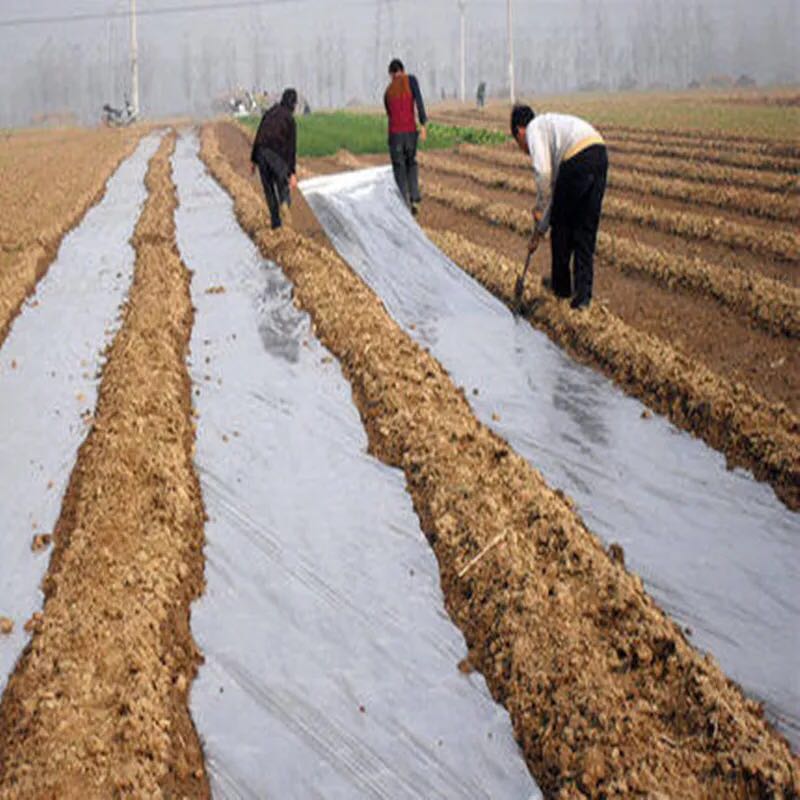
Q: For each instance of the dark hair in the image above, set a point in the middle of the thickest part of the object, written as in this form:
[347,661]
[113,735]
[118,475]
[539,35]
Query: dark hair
[521,117]
[396,66]
[289,99]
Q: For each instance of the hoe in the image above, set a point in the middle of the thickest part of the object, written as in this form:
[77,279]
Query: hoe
[519,288]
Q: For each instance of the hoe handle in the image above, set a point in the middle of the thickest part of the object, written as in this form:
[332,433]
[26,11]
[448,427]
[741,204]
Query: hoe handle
[520,286]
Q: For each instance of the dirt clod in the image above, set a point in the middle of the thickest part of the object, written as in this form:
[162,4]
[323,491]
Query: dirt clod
[41,542]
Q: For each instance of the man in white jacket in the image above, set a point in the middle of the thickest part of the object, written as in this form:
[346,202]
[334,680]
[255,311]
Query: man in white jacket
[570,165]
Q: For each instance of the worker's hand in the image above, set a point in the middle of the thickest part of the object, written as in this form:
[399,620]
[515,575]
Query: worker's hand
[423,133]
[293,181]
[538,215]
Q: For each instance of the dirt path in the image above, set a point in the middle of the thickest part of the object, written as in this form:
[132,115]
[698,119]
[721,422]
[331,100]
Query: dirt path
[97,705]
[605,694]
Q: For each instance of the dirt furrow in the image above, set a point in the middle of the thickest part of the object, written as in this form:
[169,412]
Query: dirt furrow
[651,145]
[734,142]
[770,304]
[605,694]
[24,261]
[691,154]
[765,184]
[714,174]
[728,416]
[782,151]
[758,240]
[631,187]
[97,705]
[713,139]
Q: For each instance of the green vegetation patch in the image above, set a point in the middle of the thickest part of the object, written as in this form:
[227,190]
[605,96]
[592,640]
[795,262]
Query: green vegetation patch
[326,134]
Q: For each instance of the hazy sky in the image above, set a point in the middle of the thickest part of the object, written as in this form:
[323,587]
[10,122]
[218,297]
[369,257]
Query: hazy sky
[337,51]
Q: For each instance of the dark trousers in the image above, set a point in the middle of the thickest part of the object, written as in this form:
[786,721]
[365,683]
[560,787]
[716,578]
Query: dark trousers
[575,218]
[403,152]
[276,187]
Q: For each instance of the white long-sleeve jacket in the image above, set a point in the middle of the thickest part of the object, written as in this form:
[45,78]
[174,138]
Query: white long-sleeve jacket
[553,139]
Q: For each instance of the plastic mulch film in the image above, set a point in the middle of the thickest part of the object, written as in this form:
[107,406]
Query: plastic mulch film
[48,385]
[330,664]
[717,550]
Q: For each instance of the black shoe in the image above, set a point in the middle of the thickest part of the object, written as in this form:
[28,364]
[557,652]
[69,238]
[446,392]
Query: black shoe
[414,209]
[547,284]
[580,303]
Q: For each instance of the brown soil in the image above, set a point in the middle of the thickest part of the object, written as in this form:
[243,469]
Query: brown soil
[235,143]
[606,696]
[679,221]
[61,177]
[97,705]
[673,185]
[724,255]
[731,416]
[650,142]
[719,338]
[769,304]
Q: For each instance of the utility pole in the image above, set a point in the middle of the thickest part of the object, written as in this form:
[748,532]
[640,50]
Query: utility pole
[462,7]
[134,62]
[512,88]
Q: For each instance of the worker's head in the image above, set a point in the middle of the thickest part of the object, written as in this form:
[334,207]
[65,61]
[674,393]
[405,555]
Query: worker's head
[396,67]
[521,117]
[289,99]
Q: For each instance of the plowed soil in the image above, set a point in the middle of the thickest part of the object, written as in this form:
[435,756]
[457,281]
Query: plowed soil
[692,324]
[48,180]
[97,705]
[692,328]
[606,696]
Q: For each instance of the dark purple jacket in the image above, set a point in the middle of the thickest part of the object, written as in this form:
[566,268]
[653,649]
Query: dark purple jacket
[278,133]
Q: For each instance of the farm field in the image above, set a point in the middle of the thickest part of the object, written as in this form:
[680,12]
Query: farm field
[60,175]
[324,134]
[755,119]
[319,488]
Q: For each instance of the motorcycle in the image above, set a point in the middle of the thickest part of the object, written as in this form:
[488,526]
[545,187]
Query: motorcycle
[118,118]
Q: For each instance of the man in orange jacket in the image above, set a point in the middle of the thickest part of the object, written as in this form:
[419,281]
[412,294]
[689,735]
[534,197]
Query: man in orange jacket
[400,100]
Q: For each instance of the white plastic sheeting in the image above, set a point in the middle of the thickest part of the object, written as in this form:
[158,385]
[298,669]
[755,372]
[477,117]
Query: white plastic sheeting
[717,550]
[330,664]
[48,367]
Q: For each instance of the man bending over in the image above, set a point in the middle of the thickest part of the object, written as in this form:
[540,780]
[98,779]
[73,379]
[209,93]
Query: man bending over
[570,165]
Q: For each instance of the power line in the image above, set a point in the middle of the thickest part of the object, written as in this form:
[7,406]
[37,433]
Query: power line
[151,12]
